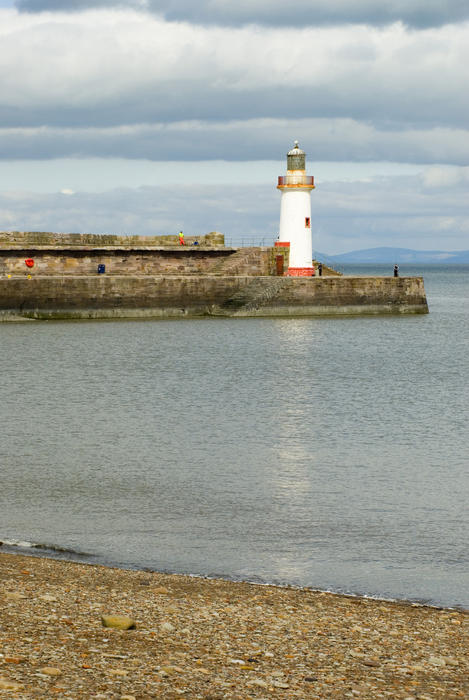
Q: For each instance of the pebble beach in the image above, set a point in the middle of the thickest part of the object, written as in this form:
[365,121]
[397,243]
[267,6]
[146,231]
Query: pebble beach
[184,637]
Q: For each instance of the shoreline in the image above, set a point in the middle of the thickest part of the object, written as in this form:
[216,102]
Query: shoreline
[211,638]
[86,559]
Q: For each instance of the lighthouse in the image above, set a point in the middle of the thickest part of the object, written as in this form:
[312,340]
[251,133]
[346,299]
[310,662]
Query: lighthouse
[295,214]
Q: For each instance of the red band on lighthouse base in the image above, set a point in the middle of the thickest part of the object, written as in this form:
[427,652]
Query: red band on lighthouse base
[282,244]
[300,272]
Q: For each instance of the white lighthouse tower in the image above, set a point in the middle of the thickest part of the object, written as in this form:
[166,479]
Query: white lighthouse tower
[295,214]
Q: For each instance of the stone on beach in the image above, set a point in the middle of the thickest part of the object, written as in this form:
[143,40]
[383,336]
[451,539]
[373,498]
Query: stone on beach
[5,684]
[50,671]
[119,622]
[167,627]
[118,672]
[259,682]
[14,595]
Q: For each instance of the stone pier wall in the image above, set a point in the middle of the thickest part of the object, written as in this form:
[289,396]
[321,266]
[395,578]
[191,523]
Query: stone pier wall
[126,296]
[136,260]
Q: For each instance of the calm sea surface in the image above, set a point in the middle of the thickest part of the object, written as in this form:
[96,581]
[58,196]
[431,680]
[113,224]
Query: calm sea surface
[330,453]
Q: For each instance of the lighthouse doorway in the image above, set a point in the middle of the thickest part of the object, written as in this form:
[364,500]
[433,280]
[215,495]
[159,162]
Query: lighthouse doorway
[279,264]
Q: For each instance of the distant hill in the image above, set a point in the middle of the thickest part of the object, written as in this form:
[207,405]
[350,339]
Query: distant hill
[399,255]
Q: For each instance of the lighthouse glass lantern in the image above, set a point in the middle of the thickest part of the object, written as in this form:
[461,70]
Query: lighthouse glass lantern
[295,214]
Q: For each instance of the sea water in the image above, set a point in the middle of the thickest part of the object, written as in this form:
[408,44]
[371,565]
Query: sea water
[329,452]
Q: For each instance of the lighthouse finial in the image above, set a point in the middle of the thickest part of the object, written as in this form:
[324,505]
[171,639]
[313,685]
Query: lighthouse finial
[296,144]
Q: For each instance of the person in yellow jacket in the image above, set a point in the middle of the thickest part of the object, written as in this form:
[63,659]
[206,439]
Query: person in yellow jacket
[181,238]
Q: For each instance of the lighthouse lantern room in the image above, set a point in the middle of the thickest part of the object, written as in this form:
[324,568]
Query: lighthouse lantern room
[295,214]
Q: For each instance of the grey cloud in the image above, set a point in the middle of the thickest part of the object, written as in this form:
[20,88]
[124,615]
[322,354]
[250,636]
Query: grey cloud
[401,212]
[379,103]
[261,139]
[418,13]
[75,5]
[125,68]
[387,211]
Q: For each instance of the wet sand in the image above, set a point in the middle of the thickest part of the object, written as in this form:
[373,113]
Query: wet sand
[215,639]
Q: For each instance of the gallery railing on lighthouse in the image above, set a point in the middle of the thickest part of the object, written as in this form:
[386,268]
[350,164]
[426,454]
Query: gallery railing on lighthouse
[296,181]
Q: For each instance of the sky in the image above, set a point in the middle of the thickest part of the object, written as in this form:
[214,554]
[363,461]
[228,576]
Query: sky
[152,116]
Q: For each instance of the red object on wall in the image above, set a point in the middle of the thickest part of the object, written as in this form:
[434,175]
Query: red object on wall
[282,244]
[29,262]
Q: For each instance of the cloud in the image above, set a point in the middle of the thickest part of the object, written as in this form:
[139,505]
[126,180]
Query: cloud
[388,211]
[119,68]
[443,177]
[300,13]
[251,139]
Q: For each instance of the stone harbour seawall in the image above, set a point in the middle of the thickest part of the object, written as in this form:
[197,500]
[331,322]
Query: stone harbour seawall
[79,276]
[172,296]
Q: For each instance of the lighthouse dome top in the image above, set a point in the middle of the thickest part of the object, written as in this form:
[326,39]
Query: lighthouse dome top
[296,150]
[296,158]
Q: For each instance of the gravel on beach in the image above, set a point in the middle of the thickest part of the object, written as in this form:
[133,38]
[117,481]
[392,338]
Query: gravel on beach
[215,639]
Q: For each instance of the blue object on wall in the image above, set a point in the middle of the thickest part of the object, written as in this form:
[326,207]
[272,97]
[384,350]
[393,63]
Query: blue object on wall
[101,268]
